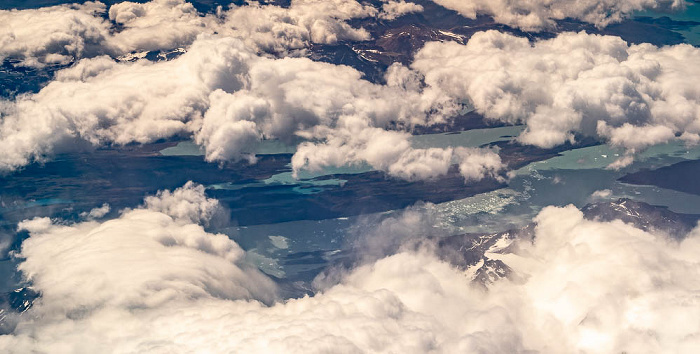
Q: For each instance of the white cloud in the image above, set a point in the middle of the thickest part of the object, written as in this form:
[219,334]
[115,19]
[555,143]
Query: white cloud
[224,94]
[64,33]
[541,14]
[392,9]
[229,99]
[151,282]
[102,101]
[188,204]
[474,164]
[354,142]
[297,96]
[601,194]
[635,137]
[52,35]
[156,25]
[341,115]
[96,213]
[144,260]
[274,29]
[634,96]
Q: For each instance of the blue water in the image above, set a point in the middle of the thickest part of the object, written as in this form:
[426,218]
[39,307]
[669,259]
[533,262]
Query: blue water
[308,182]
[308,245]
[691,13]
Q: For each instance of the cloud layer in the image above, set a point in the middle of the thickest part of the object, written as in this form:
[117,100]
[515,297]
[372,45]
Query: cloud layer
[222,92]
[153,281]
[64,33]
[229,98]
[542,14]
[231,90]
[633,96]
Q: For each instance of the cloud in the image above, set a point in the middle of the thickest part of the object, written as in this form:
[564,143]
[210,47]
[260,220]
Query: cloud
[101,101]
[543,14]
[291,97]
[228,99]
[392,9]
[282,31]
[188,204]
[602,194]
[391,152]
[342,118]
[53,35]
[156,25]
[633,96]
[152,281]
[146,258]
[226,91]
[96,213]
[65,33]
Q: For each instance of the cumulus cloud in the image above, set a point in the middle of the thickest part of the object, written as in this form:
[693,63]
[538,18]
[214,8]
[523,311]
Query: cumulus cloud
[188,204]
[97,213]
[53,35]
[102,101]
[342,116]
[602,194]
[156,25]
[124,257]
[278,30]
[293,97]
[541,14]
[228,99]
[391,151]
[152,281]
[392,9]
[64,33]
[225,91]
[633,96]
